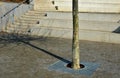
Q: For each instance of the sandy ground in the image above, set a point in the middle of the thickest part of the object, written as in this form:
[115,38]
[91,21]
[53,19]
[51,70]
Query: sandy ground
[30,57]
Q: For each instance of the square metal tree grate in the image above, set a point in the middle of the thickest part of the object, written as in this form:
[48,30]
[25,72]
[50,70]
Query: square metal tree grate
[61,66]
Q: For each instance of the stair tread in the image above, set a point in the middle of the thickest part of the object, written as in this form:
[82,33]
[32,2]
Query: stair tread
[87,25]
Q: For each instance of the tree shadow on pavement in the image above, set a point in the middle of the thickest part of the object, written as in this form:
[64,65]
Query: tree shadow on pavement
[15,38]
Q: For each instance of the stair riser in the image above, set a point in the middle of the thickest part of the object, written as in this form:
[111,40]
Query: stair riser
[26,21]
[43,9]
[35,12]
[111,6]
[82,16]
[33,16]
[23,24]
[91,9]
[87,4]
[29,19]
[85,25]
[85,16]
[90,5]
[83,35]
[91,1]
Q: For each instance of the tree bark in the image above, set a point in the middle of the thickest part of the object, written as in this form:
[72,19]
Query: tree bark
[75,44]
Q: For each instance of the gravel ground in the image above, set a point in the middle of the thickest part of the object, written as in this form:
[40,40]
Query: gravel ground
[30,57]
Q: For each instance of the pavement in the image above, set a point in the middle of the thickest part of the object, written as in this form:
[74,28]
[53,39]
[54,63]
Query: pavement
[22,56]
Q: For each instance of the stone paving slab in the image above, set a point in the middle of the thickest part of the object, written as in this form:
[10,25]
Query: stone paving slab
[28,57]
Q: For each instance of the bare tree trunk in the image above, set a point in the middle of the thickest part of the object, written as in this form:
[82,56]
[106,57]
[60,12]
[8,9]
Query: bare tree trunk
[75,45]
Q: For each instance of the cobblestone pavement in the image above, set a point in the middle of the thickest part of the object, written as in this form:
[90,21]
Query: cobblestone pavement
[28,57]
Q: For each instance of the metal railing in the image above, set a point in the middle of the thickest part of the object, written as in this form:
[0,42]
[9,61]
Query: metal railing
[9,16]
[14,8]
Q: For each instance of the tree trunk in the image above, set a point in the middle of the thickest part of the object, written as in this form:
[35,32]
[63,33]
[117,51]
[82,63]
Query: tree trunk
[75,45]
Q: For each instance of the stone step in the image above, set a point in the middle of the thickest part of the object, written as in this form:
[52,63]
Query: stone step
[18,32]
[25,20]
[24,24]
[42,1]
[85,34]
[88,21]
[82,16]
[84,25]
[40,12]
[89,6]
[34,13]
[48,7]
[22,27]
[85,16]
[37,12]
[28,19]
[67,24]
[44,9]
[90,1]
[33,16]
[44,5]
[67,33]
[101,9]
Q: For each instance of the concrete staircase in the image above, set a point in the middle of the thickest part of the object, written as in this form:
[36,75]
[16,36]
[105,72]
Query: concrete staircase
[101,27]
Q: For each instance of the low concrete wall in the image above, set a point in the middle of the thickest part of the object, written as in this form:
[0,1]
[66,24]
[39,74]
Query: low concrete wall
[9,12]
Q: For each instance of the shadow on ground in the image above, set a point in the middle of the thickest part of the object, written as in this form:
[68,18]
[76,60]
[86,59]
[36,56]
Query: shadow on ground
[15,38]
